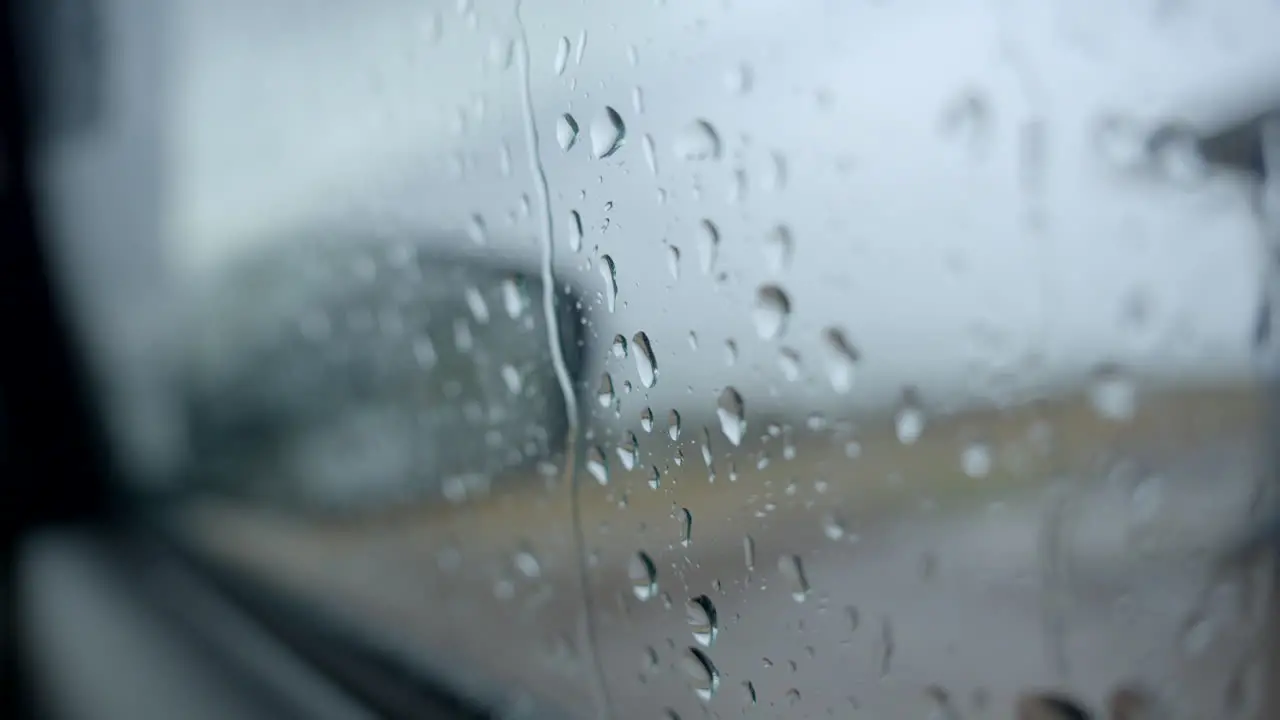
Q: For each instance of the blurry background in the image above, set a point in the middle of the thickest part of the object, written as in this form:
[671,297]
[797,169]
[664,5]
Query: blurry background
[917,340]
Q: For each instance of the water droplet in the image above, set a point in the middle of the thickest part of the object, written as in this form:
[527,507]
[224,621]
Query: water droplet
[566,132]
[886,645]
[646,365]
[908,423]
[610,274]
[749,552]
[700,614]
[698,141]
[607,133]
[433,28]
[673,425]
[730,353]
[771,312]
[1176,152]
[511,377]
[777,249]
[582,47]
[793,697]
[637,100]
[562,55]
[619,348]
[701,672]
[706,447]
[1146,499]
[738,80]
[598,465]
[732,413]
[673,261]
[853,617]
[462,339]
[476,304]
[1197,636]
[842,359]
[646,420]
[748,693]
[975,460]
[500,52]
[655,478]
[515,296]
[1121,141]
[686,527]
[575,231]
[629,452]
[643,575]
[967,118]
[789,364]
[793,571]
[650,156]
[649,661]
[604,393]
[477,231]
[707,241]
[527,563]
[833,526]
[1113,393]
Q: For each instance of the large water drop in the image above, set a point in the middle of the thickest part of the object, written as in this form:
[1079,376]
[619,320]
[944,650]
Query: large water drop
[707,241]
[732,413]
[643,575]
[771,312]
[698,141]
[607,133]
[566,132]
[841,359]
[646,364]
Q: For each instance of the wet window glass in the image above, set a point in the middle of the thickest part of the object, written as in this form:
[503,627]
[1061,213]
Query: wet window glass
[810,359]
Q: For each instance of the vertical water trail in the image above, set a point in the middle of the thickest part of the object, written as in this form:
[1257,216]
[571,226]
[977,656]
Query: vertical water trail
[546,237]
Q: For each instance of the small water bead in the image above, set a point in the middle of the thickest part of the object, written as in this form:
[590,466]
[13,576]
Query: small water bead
[646,364]
[697,141]
[792,569]
[566,132]
[609,272]
[629,452]
[673,425]
[771,312]
[853,617]
[604,392]
[706,447]
[637,100]
[748,693]
[515,296]
[1146,499]
[749,552]
[738,80]
[512,379]
[686,526]
[477,305]
[833,526]
[673,261]
[643,575]
[1113,393]
[582,47]
[646,420]
[730,353]
[655,478]
[693,340]
[477,231]
[700,614]
[650,155]
[598,465]
[702,674]
[841,359]
[562,55]
[619,348]
[527,563]
[731,410]
[707,242]
[975,460]
[793,697]
[608,133]
[777,249]
[575,231]
[909,421]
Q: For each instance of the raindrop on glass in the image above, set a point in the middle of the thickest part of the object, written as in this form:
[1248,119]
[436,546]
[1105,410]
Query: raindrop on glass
[604,392]
[515,298]
[527,563]
[908,422]
[673,261]
[793,697]
[833,526]
[975,460]
[777,249]
[789,364]
[686,527]
[598,465]
[841,359]
[566,132]
[575,231]
[732,413]
[701,673]
[643,575]
[511,378]
[673,425]
[646,420]
[700,614]
[793,571]
[707,241]
[619,348]
[748,693]
[1113,393]
[477,305]
[610,274]
[650,156]
[730,353]
[477,231]
[706,447]
[646,365]
[607,133]
[582,47]
[771,312]
[562,55]
[655,478]
[698,141]
[749,552]
[629,452]
[738,80]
